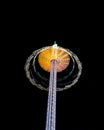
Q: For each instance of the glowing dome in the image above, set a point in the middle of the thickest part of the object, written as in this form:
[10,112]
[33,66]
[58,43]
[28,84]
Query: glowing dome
[54,53]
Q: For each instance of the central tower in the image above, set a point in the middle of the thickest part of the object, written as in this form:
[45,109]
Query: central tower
[53,60]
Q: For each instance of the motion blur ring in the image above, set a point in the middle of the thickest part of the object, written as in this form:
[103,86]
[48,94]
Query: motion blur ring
[31,62]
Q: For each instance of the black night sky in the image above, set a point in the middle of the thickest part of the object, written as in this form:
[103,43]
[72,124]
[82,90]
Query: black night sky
[77,106]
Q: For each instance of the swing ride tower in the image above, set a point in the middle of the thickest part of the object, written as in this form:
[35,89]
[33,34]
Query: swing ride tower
[53,60]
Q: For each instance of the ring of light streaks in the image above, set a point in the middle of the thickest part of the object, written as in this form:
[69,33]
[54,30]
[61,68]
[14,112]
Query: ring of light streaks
[35,54]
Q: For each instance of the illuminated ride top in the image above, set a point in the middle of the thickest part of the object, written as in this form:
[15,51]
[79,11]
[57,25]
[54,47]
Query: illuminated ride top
[38,64]
[53,68]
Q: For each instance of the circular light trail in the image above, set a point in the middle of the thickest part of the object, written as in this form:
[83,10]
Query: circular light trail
[66,60]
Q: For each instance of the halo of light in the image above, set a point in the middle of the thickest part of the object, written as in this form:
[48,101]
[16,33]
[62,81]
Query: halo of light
[33,56]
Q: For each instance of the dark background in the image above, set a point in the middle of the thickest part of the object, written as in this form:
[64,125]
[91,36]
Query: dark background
[73,28]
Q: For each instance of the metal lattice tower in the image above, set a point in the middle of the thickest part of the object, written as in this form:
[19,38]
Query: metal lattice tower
[53,59]
[51,107]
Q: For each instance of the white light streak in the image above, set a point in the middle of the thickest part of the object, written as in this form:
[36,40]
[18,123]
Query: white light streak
[51,108]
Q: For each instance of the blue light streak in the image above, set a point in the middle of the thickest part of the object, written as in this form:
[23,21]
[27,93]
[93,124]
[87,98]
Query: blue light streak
[51,106]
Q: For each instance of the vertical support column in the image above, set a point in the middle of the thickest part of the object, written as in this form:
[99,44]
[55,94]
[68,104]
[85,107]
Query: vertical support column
[51,106]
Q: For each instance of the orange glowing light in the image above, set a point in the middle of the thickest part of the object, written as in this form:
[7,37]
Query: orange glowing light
[54,53]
